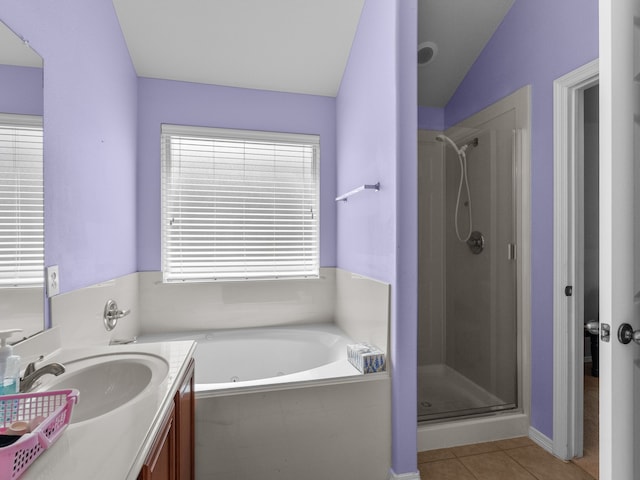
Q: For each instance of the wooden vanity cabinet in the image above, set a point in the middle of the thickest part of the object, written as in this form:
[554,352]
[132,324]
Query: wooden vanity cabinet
[172,455]
[185,430]
[161,462]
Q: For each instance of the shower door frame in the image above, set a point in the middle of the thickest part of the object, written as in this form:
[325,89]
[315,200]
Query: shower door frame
[510,423]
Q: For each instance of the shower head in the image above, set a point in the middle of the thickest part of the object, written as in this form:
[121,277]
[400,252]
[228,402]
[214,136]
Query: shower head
[445,139]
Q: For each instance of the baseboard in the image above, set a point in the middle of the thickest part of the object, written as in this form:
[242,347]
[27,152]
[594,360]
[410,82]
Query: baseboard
[404,476]
[541,439]
[474,430]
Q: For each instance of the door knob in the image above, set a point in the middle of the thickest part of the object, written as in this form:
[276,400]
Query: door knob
[626,334]
[593,327]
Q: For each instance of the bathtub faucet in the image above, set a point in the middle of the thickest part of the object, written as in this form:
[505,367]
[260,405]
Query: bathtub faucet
[31,375]
[123,341]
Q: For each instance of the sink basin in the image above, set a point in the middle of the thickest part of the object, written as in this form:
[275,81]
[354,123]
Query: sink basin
[107,382]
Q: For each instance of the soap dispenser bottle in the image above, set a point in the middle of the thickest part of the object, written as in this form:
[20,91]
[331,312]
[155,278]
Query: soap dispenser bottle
[9,365]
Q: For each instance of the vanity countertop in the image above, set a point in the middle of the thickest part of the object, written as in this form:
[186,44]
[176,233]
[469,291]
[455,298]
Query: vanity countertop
[114,445]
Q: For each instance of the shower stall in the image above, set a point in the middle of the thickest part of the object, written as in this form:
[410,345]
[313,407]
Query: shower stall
[468,335]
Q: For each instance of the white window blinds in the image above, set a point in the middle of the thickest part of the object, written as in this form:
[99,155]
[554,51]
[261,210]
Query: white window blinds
[21,201]
[238,204]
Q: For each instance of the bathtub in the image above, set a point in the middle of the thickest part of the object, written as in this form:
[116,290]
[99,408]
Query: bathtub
[231,360]
[284,403]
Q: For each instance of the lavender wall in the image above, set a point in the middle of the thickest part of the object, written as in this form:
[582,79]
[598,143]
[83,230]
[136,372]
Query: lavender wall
[21,90]
[538,41]
[431,118]
[376,141]
[404,329]
[367,146]
[165,101]
[89,135]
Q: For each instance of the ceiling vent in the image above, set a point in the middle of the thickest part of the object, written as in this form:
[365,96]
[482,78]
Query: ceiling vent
[427,51]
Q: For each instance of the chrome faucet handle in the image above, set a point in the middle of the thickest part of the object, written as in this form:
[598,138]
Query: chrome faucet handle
[112,314]
[31,367]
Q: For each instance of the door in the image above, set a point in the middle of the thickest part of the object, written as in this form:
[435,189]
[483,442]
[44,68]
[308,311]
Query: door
[619,272]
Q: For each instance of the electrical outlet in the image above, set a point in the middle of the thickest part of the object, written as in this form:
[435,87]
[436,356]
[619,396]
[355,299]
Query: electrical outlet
[53,281]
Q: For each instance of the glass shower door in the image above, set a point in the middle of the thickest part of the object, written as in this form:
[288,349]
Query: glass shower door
[476,369]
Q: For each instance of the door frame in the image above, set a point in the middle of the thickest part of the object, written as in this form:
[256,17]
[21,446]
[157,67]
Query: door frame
[568,330]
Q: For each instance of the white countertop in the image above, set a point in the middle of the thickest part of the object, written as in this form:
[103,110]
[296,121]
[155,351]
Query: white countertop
[113,446]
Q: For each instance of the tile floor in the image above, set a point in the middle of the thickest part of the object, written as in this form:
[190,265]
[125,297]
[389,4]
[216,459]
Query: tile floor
[514,459]
[518,458]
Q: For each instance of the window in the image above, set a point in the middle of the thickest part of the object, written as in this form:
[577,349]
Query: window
[21,201]
[238,204]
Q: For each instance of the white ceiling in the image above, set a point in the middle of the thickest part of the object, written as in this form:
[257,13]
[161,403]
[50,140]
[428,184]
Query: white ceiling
[460,29]
[13,50]
[298,46]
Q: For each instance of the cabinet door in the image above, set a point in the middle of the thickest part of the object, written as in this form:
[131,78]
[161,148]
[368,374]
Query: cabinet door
[160,465]
[185,448]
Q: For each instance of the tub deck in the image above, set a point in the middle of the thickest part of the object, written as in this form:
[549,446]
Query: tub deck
[267,358]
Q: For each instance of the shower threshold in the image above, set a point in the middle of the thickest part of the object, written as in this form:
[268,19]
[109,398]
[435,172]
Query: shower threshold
[445,394]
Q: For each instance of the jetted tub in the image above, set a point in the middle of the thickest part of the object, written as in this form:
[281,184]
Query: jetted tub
[259,357]
[284,403]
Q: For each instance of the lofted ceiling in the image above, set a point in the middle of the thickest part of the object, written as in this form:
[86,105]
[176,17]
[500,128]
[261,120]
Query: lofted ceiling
[14,51]
[460,29]
[298,46]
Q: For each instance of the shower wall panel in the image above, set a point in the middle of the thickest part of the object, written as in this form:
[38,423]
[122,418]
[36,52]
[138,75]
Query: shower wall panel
[468,284]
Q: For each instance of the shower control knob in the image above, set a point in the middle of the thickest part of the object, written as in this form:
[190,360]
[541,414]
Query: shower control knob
[475,242]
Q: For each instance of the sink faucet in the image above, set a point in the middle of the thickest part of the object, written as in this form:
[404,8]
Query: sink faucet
[31,375]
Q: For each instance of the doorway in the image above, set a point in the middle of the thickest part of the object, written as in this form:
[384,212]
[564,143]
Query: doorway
[576,261]
[589,460]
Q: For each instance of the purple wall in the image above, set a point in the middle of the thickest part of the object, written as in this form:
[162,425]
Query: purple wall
[431,118]
[376,131]
[404,328]
[89,135]
[182,103]
[21,90]
[367,146]
[538,41]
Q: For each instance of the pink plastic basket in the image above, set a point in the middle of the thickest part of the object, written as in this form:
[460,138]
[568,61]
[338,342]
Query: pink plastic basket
[54,406]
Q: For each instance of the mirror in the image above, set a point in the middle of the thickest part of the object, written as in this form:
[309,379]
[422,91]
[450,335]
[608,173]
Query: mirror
[21,93]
